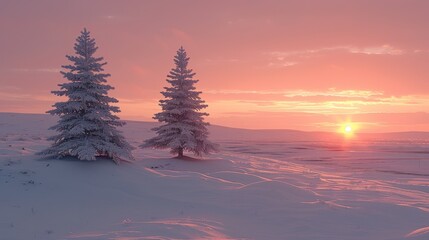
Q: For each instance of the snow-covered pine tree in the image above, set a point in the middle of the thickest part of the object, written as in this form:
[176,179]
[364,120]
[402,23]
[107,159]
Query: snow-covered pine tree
[184,128]
[87,124]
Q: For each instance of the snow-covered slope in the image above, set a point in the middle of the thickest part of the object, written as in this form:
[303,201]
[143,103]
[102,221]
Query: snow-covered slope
[262,185]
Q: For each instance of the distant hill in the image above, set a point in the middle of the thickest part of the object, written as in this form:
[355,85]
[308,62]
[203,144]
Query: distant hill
[39,123]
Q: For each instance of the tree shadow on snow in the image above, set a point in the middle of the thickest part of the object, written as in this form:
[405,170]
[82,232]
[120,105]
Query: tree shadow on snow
[193,159]
[98,160]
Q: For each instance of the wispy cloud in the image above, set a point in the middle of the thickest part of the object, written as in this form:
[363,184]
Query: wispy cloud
[380,50]
[40,70]
[281,59]
[220,60]
[281,63]
[332,92]
[321,102]
[262,92]
[385,49]
[420,51]
[109,17]
[25,97]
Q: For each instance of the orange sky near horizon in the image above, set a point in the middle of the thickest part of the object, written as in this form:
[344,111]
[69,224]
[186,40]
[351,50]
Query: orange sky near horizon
[302,64]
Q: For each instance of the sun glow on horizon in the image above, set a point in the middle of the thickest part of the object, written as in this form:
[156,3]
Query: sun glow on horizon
[348,129]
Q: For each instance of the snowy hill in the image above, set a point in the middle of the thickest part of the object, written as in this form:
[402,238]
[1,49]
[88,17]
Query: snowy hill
[264,184]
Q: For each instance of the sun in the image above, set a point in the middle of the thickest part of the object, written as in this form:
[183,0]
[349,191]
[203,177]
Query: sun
[348,129]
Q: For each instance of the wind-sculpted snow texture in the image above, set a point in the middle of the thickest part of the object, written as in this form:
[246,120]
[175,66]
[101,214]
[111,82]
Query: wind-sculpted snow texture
[253,189]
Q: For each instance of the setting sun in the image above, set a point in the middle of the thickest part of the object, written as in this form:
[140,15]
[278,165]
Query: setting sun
[348,129]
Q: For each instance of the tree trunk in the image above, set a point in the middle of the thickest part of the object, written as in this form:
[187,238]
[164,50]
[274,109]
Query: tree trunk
[180,153]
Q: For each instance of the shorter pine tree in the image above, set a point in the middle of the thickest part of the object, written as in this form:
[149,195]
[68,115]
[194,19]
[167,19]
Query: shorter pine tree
[87,125]
[184,128]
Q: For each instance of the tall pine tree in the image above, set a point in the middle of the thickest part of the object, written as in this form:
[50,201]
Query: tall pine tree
[184,128]
[87,124]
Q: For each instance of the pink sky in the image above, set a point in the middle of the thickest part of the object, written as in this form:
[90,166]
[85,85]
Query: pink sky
[307,65]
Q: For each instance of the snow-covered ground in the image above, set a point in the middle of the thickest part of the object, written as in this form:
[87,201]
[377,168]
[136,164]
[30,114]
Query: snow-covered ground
[262,185]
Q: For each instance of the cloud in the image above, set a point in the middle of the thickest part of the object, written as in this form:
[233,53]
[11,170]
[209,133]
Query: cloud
[262,92]
[366,122]
[11,88]
[282,59]
[330,102]
[39,70]
[381,50]
[7,96]
[332,92]
[109,17]
[369,50]
[136,100]
[221,60]
[281,63]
